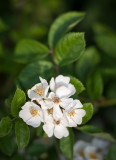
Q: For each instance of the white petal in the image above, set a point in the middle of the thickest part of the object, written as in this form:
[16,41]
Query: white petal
[43,81]
[62,92]
[51,95]
[25,115]
[71,122]
[80,145]
[26,105]
[46,91]
[34,121]
[72,89]
[78,104]
[52,84]
[60,131]
[32,95]
[65,102]
[48,128]
[61,79]
[80,112]
[57,113]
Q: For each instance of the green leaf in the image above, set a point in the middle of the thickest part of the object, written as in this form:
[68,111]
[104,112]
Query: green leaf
[7,145]
[22,133]
[95,86]
[105,39]
[88,107]
[18,101]
[5,126]
[97,132]
[69,48]
[39,130]
[112,153]
[30,74]
[78,85]
[87,62]
[3,26]
[63,24]
[28,50]
[66,145]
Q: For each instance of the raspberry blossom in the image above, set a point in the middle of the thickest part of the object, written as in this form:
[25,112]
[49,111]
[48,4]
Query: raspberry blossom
[55,109]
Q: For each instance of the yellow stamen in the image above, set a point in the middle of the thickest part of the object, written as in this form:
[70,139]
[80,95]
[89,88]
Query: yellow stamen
[57,122]
[56,100]
[93,156]
[72,113]
[40,91]
[81,153]
[50,111]
[34,112]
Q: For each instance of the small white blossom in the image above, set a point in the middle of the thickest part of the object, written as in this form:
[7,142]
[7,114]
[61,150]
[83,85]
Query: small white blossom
[53,127]
[74,113]
[31,114]
[39,91]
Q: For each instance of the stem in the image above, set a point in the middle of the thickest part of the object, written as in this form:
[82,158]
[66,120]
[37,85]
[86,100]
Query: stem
[105,103]
[55,65]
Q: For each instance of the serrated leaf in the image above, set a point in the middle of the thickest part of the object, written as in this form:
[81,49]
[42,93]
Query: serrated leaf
[69,48]
[95,86]
[28,50]
[105,39]
[18,101]
[112,153]
[78,85]
[88,107]
[30,74]
[22,133]
[87,62]
[96,131]
[5,126]
[62,24]
[66,145]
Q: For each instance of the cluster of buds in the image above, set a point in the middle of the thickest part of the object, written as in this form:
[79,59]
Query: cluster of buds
[55,109]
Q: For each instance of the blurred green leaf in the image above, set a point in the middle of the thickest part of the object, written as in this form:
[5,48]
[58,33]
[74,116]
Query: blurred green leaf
[5,126]
[105,39]
[95,86]
[30,74]
[63,24]
[7,145]
[39,130]
[97,132]
[112,153]
[78,85]
[3,26]
[69,48]
[18,101]
[88,107]
[87,62]
[22,133]
[66,145]
[28,50]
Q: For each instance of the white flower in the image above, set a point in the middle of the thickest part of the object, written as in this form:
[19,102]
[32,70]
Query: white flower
[53,127]
[74,113]
[91,153]
[31,114]
[61,87]
[39,91]
[79,150]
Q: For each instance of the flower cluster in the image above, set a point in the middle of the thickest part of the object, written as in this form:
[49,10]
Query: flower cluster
[55,109]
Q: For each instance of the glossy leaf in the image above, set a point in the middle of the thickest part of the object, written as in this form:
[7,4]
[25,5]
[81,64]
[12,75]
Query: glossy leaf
[18,101]
[62,24]
[88,107]
[5,126]
[95,86]
[28,50]
[66,145]
[22,133]
[78,85]
[30,74]
[97,132]
[69,48]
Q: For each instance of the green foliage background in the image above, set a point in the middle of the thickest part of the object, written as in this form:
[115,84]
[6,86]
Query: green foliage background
[27,43]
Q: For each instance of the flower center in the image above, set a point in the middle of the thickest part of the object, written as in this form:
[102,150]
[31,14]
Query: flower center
[81,153]
[40,91]
[34,112]
[50,111]
[56,100]
[72,113]
[91,155]
[57,122]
